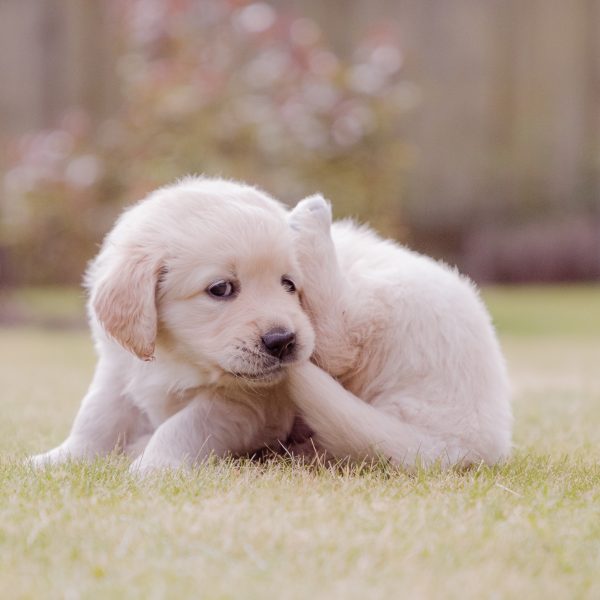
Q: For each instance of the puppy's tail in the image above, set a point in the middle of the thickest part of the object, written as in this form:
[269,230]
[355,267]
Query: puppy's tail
[346,426]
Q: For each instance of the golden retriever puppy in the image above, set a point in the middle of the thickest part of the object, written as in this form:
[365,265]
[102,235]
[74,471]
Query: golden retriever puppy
[409,367]
[194,309]
[204,347]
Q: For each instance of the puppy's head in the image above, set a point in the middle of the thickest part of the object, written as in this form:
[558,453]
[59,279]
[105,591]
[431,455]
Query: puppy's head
[204,271]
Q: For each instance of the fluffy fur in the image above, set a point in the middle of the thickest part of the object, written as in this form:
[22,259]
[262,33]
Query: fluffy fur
[406,364]
[409,367]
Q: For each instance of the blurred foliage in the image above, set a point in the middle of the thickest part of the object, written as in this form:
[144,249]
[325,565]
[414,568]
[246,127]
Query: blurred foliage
[219,87]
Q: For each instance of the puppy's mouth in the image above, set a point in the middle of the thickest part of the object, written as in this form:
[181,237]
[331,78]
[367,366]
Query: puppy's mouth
[252,366]
[261,375]
[268,375]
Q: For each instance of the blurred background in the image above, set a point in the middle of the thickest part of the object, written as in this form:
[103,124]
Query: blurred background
[469,130]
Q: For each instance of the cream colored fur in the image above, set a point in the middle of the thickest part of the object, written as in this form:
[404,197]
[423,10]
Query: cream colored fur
[408,364]
[409,367]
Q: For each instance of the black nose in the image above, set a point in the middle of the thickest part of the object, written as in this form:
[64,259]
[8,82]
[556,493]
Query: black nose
[279,342]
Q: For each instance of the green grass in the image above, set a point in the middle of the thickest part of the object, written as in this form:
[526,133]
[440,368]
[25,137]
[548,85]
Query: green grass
[546,310]
[236,529]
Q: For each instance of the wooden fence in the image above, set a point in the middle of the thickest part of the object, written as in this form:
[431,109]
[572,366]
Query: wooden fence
[55,54]
[506,94]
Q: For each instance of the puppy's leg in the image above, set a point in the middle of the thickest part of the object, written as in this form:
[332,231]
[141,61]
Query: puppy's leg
[348,427]
[103,422]
[325,292]
[205,427]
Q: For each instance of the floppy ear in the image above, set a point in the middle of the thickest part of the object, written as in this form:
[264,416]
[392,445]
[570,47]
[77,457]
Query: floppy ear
[124,300]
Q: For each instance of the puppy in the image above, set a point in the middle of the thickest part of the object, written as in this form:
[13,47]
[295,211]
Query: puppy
[204,347]
[195,313]
[407,365]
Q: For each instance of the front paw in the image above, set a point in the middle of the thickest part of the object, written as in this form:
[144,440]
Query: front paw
[53,457]
[311,214]
[146,465]
[38,461]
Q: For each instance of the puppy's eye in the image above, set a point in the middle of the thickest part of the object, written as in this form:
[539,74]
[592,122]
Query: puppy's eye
[221,289]
[288,284]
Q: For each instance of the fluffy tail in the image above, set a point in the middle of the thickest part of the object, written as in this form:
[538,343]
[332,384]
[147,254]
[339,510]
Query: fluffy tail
[346,426]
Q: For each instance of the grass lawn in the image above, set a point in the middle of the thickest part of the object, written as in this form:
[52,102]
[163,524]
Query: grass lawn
[529,529]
